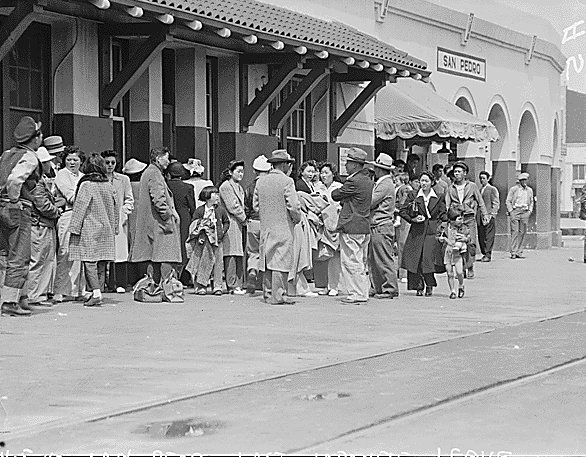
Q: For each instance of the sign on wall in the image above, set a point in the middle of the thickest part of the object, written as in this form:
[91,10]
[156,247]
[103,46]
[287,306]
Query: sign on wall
[460,64]
[342,159]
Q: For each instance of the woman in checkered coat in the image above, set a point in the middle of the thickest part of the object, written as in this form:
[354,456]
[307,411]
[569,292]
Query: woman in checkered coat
[94,224]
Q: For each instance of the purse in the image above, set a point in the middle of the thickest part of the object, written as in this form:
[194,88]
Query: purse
[413,209]
[172,288]
[147,291]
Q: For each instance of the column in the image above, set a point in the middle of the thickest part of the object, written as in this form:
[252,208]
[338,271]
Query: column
[539,232]
[504,176]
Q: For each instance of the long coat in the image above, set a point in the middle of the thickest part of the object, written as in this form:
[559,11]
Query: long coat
[157,236]
[355,196]
[422,246]
[94,223]
[185,206]
[125,202]
[278,205]
[232,199]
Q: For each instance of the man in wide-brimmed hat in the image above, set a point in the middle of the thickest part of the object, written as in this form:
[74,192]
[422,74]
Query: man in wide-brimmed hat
[279,210]
[381,251]
[519,208]
[354,226]
[19,174]
[261,167]
[465,195]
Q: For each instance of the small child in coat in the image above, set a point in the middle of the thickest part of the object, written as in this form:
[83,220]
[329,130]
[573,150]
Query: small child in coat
[208,227]
[455,236]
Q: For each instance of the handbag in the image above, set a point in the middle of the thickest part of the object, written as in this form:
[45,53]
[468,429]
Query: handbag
[172,288]
[413,209]
[147,291]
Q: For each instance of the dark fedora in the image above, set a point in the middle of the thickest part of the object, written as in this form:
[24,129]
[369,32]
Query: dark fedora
[280,155]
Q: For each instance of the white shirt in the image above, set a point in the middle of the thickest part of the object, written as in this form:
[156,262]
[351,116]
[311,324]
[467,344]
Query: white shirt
[522,200]
[426,199]
[460,189]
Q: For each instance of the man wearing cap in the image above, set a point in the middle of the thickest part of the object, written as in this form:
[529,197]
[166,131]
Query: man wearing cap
[381,252]
[261,167]
[519,208]
[354,226]
[19,174]
[465,195]
[43,235]
[279,210]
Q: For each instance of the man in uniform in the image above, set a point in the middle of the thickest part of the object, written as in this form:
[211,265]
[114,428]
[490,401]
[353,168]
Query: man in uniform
[19,174]
[279,209]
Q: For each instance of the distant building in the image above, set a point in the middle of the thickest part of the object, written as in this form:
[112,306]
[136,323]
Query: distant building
[575,164]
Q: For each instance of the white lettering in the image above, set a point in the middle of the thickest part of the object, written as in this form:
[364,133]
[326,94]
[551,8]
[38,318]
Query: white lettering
[578,69]
[574,35]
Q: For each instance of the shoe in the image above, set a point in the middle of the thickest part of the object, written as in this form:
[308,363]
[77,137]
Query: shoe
[310,294]
[333,293]
[238,291]
[12,309]
[24,304]
[485,259]
[383,296]
[217,292]
[470,273]
[283,302]
[82,298]
[201,291]
[41,304]
[428,291]
[460,292]
[120,290]
[352,301]
[58,298]
[323,292]
[453,296]
[419,292]
[514,256]
[520,256]
[93,302]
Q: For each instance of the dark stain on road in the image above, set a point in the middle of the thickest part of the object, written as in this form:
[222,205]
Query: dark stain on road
[324,396]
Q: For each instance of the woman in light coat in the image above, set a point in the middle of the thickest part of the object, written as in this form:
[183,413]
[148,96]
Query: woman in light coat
[157,238]
[125,202]
[94,225]
[232,199]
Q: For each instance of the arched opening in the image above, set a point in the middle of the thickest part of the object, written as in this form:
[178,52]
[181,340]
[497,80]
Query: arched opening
[499,119]
[528,143]
[464,104]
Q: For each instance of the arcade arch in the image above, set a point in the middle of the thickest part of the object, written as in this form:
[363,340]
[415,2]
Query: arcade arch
[528,140]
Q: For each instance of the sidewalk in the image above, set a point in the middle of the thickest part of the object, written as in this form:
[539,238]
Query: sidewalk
[71,363]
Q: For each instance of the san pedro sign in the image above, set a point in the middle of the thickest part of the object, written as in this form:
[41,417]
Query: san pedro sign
[460,64]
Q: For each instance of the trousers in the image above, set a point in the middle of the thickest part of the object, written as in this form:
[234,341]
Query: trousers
[470,221]
[519,222]
[15,240]
[95,274]
[381,260]
[42,267]
[353,253]
[486,235]
[276,282]
[233,272]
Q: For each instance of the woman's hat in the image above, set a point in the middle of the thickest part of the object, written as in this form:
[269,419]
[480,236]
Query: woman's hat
[133,166]
[261,163]
[26,129]
[194,165]
[177,170]
[54,144]
[383,161]
[279,156]
[43,155]
[357,155]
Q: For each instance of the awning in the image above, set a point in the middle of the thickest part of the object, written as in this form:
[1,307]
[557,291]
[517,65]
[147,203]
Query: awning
[411,109]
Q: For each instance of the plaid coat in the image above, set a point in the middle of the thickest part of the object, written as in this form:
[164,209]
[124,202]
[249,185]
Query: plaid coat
[94,223]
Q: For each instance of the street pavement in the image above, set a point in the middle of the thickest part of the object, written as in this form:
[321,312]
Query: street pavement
[70,364]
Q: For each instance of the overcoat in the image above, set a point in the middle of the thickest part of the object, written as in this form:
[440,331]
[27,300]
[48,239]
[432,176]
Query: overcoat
[185,206]
[232,199]
[157,237]
[278,205]
[422,245]
[94,223]
[125,202]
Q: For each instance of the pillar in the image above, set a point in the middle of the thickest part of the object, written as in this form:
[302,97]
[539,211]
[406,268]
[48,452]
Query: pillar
[77,88]
[504,176]
[539,233]
[190,105]
[146,112]
[556,239]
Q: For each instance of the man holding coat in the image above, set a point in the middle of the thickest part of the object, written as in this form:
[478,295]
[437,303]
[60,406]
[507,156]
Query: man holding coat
[279,209]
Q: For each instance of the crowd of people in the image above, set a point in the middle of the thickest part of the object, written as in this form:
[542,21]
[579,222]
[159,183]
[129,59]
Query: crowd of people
[72,227]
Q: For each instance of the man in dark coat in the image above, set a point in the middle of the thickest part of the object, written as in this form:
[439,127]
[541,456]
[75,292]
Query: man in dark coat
[19,174]
[354,226]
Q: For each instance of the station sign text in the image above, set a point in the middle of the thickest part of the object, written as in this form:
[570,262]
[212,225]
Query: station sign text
[460,64]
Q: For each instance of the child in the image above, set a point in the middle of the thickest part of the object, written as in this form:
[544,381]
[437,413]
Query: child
[455,236]
[209,225]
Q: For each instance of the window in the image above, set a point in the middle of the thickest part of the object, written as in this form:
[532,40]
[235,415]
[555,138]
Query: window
[579,172]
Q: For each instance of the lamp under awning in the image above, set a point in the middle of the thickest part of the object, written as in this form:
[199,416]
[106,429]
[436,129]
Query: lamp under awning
[410,109]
